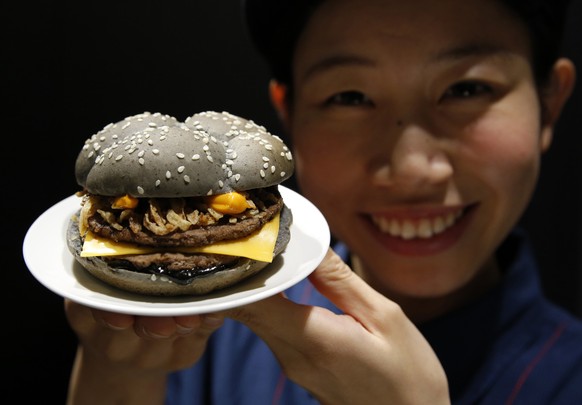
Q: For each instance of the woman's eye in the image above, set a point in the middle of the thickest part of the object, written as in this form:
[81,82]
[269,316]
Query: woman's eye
[349,98]
[467,90]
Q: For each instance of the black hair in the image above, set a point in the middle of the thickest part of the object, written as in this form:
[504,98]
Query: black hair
[545,21]
[275,25]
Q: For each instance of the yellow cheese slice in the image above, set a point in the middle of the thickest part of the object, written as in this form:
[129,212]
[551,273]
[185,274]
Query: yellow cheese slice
[258,246]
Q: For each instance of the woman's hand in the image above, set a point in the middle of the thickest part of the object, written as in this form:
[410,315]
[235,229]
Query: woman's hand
[125,359]
[371,353]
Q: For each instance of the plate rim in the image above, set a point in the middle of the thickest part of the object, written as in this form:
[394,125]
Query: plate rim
[124,302]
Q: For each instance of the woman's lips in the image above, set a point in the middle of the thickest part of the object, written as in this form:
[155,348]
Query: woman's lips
[421,234]
[423,228]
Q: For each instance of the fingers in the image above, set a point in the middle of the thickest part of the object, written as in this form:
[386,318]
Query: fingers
[168,327]
[142,342]
[83,319]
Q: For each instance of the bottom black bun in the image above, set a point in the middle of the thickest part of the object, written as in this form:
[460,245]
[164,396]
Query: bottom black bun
[197,283]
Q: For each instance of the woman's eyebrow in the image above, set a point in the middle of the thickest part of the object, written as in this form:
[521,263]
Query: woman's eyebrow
[469,51]
[335,61]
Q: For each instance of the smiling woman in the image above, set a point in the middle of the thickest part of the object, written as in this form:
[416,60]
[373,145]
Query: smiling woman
[555,239]
[448,172]
[434,276]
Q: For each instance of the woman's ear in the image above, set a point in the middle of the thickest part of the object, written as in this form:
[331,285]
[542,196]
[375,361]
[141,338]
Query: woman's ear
[278,94]
[554,97]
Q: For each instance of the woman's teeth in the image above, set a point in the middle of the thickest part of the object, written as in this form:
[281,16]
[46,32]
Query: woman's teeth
[419,228]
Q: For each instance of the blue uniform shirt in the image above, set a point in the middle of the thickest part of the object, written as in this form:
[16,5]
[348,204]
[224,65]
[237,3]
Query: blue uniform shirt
[511,346]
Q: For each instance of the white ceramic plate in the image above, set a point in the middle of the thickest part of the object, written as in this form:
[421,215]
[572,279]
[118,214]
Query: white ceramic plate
[47,257]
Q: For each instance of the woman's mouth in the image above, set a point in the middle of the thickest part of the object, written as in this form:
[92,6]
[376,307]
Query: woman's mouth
[418,228]
[421,234]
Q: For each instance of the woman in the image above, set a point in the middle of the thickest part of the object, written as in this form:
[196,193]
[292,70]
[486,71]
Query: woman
[417,129]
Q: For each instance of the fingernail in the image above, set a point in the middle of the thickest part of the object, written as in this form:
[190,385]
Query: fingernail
[152,335]
[183,330]
[114,327]
[213,321]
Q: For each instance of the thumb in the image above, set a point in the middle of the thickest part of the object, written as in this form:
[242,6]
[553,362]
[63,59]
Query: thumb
[345,289]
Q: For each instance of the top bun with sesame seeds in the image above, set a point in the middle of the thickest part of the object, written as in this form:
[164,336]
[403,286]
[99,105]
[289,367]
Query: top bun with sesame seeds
[163,202]
[154,155]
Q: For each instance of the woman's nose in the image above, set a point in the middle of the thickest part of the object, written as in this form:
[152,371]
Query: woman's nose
[416,158]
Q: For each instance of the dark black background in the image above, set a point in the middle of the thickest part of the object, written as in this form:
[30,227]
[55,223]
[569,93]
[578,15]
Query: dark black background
[71,68]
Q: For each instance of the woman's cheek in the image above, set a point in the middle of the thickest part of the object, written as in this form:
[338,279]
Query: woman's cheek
[508,155]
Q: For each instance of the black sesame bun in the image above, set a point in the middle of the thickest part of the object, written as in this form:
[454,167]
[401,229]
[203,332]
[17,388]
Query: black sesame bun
[171,192]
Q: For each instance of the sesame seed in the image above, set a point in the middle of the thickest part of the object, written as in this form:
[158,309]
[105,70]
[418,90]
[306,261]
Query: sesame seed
[263,174]
[141,161]
[195,156]
[156,151]
[181,169]
[158,182]
[186,178]
[168,175]
[140,190]
[180,155]
[118,158]
[210,158]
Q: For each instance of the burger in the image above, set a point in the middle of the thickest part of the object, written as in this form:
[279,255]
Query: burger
[170,208]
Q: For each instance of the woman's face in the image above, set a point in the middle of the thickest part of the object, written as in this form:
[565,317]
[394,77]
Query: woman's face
[417,132]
